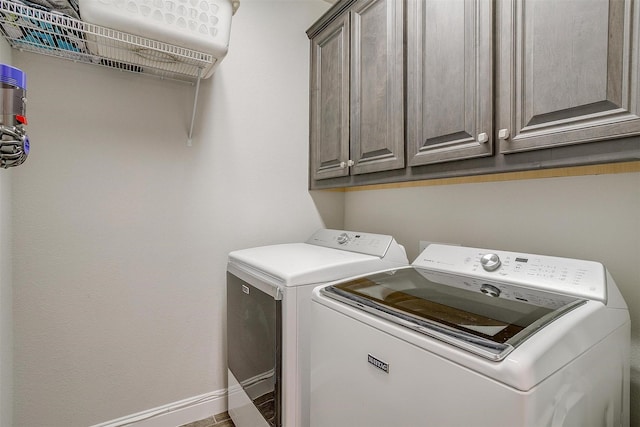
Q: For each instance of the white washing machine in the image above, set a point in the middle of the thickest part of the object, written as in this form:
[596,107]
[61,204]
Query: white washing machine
[472,337]
[268,314]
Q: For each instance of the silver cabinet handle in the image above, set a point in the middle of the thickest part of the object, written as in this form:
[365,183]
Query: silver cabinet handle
[503,134]
[347,163]
[483,138]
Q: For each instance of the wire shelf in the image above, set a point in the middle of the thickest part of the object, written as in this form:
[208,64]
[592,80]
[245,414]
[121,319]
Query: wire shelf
[50,33]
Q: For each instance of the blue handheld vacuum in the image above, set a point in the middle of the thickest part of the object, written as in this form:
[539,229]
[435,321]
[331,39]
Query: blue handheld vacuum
[14,142]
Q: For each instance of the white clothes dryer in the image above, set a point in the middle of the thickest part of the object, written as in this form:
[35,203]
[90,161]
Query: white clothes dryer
[268,314]
[472,337]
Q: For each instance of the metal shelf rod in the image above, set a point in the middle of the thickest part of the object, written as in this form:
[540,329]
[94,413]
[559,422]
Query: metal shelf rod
[193,112]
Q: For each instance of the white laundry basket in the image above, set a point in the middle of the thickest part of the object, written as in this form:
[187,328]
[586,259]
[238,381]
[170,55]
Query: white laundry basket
[201,25]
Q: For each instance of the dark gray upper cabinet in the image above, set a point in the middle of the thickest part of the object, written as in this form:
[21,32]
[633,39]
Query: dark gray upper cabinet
[492,86]
[377,102]
[449,80]
[357,104]
[567,72]
[329,108]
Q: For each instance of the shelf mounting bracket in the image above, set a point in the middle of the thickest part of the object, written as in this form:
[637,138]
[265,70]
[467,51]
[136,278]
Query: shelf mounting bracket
[195,106]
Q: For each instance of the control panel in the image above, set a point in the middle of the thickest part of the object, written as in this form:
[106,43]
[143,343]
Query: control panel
[579,278]
[362,243]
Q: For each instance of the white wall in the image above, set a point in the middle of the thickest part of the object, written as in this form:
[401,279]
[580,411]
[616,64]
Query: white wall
[123,230]
[6,288]
[588,217]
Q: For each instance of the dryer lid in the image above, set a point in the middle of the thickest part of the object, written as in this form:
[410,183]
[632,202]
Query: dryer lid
[328,255]
[485,318]
[293,264]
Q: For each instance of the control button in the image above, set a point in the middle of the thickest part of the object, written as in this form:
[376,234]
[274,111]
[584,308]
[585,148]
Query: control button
[343,238]
[490,290]
[490,262]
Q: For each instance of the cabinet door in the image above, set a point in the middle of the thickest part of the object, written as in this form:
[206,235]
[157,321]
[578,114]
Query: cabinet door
[377,112]
[449,83]
[568,72]
[329,105]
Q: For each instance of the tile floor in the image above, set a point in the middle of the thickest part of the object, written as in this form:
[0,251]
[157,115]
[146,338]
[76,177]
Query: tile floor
[220,420]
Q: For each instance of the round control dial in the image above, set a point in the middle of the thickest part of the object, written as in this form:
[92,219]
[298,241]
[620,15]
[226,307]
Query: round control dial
[490,262]
[490,290]
[343,238]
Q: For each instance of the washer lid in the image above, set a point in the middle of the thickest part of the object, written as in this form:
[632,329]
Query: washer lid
[295,264]
[326,256]
[485,318]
